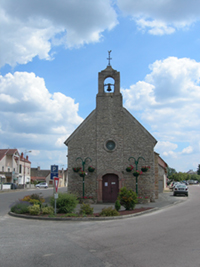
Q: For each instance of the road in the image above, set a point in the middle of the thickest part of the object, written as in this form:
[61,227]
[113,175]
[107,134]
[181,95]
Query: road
[165,238]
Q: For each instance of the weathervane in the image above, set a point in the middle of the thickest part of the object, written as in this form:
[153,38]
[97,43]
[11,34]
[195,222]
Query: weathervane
[109,58]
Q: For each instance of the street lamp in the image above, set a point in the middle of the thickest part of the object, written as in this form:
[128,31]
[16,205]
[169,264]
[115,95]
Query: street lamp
[136,165]
[25,166]
[83,168]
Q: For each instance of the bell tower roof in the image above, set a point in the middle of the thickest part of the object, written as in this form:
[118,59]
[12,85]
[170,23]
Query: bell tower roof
[109,72]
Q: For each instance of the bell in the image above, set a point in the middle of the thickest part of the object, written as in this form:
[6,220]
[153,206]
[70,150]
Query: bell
[109,88]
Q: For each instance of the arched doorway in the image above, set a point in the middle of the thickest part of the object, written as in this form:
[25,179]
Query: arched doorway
[110,188]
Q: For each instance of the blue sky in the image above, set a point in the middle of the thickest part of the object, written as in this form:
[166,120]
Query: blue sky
[52,51]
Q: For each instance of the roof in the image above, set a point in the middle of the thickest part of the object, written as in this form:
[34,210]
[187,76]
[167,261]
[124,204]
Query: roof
[8,152]
[35,172]
[80,127]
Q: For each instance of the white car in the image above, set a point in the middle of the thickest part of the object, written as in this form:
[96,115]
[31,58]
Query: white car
[42,185]
[180,189]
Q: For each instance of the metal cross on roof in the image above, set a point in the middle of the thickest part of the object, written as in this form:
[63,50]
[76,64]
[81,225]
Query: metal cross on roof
[109,58]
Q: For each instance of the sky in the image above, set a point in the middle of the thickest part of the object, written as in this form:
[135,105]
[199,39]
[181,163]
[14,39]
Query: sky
[51,53]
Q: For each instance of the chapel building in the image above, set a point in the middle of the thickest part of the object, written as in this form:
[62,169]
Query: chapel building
[110,139]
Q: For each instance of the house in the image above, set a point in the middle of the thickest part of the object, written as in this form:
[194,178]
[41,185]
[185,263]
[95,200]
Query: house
[14,168]
[39,175]
[110,139]
[160,174]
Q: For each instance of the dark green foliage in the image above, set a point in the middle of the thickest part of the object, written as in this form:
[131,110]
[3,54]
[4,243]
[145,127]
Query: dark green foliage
[20,207]
[86,209]
[198,170]
[66,203]
[117,205]
[109,212]
[127,198]
[35,196]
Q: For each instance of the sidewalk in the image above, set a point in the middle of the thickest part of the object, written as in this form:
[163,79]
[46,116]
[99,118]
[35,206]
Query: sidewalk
[165,199]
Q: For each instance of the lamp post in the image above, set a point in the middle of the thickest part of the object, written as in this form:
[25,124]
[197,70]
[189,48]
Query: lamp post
[83,168]
[25,152]
[136,165]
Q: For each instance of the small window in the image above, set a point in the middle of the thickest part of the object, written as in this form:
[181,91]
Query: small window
[110,145]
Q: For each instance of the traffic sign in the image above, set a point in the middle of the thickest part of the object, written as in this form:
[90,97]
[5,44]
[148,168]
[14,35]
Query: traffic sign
[54,171]
[56,182]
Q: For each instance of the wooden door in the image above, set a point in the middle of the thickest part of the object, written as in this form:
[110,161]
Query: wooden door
[110,188]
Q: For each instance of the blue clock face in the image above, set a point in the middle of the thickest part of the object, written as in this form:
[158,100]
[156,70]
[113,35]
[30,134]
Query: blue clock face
[110,145]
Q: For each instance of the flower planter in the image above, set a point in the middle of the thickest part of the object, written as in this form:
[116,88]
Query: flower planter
[128,170]
[91,169]
[76,169]
[144,169]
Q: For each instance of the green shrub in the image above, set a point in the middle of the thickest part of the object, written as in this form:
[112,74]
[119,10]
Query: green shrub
[47,210]
[86,209]
[66,203]
[35,196]
[20,208]
[127,198]
[34,210]
[109,212]
[35,201]
[117,205]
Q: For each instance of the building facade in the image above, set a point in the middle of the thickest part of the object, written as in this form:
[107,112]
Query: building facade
[110,139]
[14,168]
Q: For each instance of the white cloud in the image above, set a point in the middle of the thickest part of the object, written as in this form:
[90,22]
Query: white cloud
[37,119]
[161,17]
[31,28]
[168,100]
[187,150]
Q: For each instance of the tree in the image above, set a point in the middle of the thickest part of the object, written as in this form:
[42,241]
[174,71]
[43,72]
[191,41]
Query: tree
[170,171]
[198,170]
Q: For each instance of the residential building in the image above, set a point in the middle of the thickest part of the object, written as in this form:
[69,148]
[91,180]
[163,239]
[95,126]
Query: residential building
[14,168]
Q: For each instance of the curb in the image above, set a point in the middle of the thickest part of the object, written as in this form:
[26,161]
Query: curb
[22,216]
[82,218]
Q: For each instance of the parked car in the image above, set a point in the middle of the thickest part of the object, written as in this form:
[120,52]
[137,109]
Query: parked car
[180,189]
[13,186]
[42,185]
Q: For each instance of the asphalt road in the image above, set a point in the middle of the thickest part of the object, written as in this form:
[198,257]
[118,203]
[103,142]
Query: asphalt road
[166,238]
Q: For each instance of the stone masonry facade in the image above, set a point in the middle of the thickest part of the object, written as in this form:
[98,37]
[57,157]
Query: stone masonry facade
[110,122]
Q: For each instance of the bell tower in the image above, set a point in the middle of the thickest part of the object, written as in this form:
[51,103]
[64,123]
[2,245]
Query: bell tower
[110,92]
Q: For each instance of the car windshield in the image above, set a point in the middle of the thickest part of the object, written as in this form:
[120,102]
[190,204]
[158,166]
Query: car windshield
[181,185]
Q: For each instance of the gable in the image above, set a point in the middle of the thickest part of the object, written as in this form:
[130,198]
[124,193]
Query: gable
[81,127]
[132,120]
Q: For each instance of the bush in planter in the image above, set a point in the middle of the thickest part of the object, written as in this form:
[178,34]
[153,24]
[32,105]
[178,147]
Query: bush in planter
[86,209]
[127,198]
[109,212]
[34,210]
[47,210]
[20,207]
[66,203]
[117,205]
